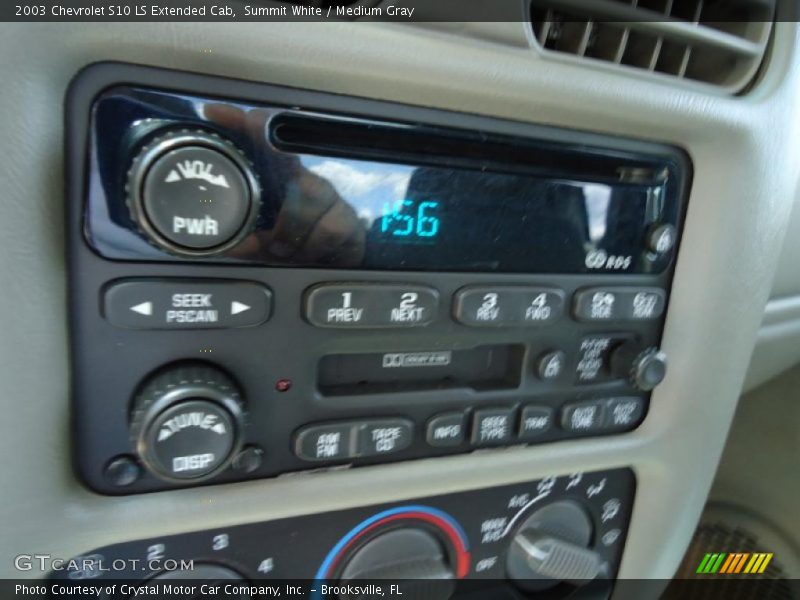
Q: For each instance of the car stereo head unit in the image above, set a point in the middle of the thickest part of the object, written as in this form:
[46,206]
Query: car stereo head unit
[240,253]
[281,186]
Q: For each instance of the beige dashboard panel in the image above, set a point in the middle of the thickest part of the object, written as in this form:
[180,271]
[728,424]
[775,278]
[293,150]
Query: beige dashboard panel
[744,151]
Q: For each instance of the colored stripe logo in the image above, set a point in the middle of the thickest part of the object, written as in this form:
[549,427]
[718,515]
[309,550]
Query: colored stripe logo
[734,563]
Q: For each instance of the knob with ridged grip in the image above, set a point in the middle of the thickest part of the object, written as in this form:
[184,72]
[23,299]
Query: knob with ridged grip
[186,423]
[192,193]
[552,546]
[411,555]
[643,367]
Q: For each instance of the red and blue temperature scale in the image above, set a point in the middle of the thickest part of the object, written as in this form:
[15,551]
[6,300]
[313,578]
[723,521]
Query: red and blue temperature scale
[448,526]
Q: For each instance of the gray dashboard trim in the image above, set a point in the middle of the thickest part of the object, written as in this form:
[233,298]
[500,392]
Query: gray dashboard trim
[746,173]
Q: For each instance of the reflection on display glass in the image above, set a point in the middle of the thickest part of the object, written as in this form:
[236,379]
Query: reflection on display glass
[352,193]
[378,192]
[434,218]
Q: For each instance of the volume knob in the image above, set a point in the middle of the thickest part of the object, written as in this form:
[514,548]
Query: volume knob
[187,421]
[192,193]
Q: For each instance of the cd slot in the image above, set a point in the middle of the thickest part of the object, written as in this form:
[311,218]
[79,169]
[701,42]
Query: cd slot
[490,367]
[423,145]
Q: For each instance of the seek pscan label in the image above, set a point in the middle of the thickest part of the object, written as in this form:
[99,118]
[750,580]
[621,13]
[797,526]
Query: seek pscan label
[186,304]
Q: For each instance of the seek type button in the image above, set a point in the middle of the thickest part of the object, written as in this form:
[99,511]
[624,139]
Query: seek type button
[371,305]
[492,426]
[186,304]
[384,436]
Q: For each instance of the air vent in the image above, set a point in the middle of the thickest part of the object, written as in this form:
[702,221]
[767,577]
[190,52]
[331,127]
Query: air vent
[720,42]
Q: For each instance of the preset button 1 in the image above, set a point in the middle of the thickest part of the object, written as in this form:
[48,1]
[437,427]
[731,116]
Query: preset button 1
[186,303]
[345,306]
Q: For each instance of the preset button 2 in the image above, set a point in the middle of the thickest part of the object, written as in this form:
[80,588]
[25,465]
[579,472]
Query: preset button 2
[356,305]
[186,304]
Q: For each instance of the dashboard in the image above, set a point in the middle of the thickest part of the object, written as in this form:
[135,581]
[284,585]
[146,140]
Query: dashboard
[341,313]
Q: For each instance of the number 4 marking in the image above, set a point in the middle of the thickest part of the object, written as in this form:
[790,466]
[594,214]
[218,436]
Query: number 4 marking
[266,565]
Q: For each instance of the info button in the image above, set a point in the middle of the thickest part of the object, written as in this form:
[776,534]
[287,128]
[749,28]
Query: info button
[186,304]
[446,430]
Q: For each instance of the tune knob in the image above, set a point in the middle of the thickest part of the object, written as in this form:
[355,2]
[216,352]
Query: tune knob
[186,423]
[643,367]
[410,555]
[192,193]
[551,547]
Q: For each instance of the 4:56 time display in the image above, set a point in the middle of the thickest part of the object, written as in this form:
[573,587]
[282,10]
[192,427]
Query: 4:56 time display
[411,220]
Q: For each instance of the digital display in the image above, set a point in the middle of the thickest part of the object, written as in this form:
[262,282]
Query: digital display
[407,220]
[391,216]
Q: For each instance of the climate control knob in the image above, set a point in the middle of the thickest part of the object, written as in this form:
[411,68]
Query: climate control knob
[215,577]
[552,546]
[187,421]
[411,555]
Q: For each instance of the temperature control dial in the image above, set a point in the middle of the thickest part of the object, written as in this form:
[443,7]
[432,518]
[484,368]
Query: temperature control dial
[424,548]
[192,193]
[408,554]
[187,422]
